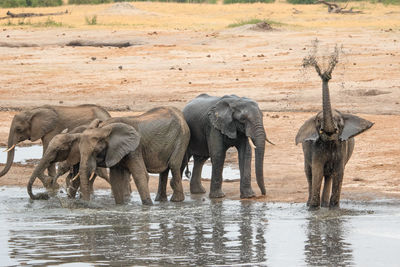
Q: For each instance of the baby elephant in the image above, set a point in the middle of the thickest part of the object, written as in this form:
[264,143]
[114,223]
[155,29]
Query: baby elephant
[328,143]
[63,148]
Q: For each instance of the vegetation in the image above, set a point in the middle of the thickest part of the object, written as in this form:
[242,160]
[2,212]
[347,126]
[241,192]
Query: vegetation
[179,1]
[91,20]
[24,22]
[253,21]
[29,3]
[247,1]
[88,2]
[306,2]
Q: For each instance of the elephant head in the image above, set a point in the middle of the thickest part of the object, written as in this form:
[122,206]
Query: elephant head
[331,125]
[28,125]
[233,116]
[63,147]
[105,146]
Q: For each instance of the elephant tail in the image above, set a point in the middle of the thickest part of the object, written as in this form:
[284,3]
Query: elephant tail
[188,173]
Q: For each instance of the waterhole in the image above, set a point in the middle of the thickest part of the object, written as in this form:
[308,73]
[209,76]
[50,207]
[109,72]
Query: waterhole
[196,232]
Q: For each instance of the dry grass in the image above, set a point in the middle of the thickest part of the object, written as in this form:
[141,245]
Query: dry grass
[205,17]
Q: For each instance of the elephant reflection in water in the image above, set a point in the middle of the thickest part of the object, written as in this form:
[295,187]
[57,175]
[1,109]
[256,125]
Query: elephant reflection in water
[326,244]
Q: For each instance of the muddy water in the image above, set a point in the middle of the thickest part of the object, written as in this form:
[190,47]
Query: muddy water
[195,232]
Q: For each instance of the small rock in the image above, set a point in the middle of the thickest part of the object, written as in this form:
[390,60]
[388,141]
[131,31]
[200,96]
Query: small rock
[8,36]
[93,58]
[120,67]
[208,55]
[60,102]
[190,82]
[180,69]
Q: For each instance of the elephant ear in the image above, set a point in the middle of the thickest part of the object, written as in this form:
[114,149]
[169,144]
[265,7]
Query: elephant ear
[42,121]
[94,124]
[221,118]
[307,131]
[353,125]
[122,140]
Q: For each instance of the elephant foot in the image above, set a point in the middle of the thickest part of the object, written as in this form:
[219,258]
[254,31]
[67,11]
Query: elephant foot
[247,193]
[177,197]
[325,204]
[161,197]
[197,189]
[334,205]
[217,194]
[313,206]
[147,202]
[71,192]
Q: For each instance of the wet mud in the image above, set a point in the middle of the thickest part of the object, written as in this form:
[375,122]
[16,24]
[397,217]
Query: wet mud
[198,231]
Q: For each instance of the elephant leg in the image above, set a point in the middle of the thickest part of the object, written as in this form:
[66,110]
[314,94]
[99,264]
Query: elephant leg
[217,154]
[139,172]
[51,170]
[162,186]
[119,178]
[337,180]
[244,151]
[176,184]
[195,181]
[307,170]
[72,186]
[317,175]
[91,182]
[326,192]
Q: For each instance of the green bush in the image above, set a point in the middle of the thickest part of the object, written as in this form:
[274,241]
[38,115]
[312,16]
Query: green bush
[247,1]
[88,2]
[29,3]
[304,2]
[91,20]
[178,1]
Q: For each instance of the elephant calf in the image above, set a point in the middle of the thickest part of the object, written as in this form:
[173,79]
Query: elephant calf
[62,148]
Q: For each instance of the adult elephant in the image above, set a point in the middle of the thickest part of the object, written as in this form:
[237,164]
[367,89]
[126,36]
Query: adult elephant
[217,123]
[63,148]
[44,123]
[164,137]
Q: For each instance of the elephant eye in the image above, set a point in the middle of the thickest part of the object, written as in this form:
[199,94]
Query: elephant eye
[18,129]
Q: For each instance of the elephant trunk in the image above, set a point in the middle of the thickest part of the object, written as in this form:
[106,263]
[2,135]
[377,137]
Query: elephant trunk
[10,154]
[84,171]
[328,125]
[259,141]
[37,173]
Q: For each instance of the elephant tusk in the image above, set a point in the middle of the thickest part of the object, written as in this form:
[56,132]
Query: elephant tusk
[251,143]
[75,177]
[91,176]
[11,148]
[266,139]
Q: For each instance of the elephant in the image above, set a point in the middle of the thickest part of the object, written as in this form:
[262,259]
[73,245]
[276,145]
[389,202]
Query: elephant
[217,123]
[160,145]
[62,148]
[328,143]
[45,122]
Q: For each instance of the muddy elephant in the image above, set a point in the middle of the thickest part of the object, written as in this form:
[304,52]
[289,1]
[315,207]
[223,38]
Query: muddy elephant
[63,148]
[328,143]
[44,123]
[163,136]
[217,123]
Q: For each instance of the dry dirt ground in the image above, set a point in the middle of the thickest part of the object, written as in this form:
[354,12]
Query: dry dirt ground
[170,65]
